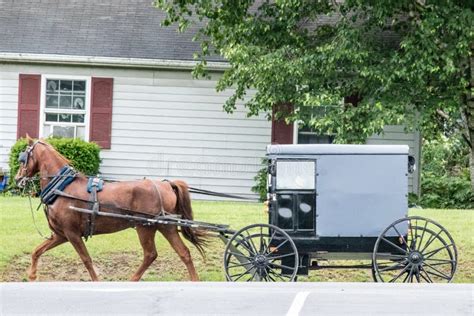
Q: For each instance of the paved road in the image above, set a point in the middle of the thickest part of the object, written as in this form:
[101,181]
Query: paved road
[182,298]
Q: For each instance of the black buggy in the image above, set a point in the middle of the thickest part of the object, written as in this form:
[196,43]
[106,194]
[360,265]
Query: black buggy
[340,202]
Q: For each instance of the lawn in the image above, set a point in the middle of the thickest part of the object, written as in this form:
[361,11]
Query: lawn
[117,256]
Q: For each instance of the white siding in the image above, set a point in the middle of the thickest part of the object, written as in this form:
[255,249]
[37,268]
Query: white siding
[164,125]
[167,125]
[8,113]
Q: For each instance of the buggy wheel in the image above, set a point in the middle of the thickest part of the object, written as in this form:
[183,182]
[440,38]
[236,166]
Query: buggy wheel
[260,252]
[414,249]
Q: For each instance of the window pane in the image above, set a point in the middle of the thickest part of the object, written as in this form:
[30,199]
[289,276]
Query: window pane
[79,86]
[52,86]
[65,102]
[52,101]
[65,117]
[293,175]
[78,118]
[79,103]
[51,117]
[46,130]
[66,85]
[81,130]
[313,138]
[63,131]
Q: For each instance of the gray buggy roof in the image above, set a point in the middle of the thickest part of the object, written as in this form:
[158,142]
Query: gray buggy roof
[333,149]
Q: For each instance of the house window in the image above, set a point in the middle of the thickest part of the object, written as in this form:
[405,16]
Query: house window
[65,108]
[307,136]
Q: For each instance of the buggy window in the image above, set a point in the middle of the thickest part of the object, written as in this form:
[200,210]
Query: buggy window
[295,175]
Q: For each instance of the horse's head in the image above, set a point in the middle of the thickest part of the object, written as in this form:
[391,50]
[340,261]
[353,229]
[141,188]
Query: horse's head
[28,160]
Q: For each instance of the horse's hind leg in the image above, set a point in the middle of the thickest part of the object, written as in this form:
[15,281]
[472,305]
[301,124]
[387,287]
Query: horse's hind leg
[46,245]
[147,240]
[171,234]
[81,250]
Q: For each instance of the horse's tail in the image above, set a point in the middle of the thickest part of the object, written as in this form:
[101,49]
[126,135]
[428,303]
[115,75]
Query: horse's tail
[183,207]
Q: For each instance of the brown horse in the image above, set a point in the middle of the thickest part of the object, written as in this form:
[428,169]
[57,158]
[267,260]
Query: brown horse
[143,196]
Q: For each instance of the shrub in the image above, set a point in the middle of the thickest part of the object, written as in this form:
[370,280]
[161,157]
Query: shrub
[84,156]
[260,186]
[445,179]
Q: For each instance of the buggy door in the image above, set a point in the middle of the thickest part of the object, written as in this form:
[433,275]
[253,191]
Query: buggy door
[295,191]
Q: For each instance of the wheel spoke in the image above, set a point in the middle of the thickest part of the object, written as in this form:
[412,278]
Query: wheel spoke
[253,276]
[391,243]
[280,276]
[436,274]
[390,256]
[251,243]
[269,276]
[446,261]
[243,243]
[440,274]
[270,241]
[412,236]
[416,232]
[239,254]
[423,234]
[281,266]
[410,275]
[417,274]
[427,275]
[278,247]
[399,275]
[239,265]
[393,266]
[431,240]
[433,252]
[243,273]
[280,256]
[403,238]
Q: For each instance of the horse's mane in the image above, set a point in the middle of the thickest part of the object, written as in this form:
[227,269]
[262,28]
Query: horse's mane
[44,142]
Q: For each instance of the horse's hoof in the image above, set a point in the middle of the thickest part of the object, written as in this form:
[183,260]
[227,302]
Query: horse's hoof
[32,278]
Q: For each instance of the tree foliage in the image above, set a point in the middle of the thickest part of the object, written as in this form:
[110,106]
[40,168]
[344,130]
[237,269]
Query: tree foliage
[405,61]
[445,175]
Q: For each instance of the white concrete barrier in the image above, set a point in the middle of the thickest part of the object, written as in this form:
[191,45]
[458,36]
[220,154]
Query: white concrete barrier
[183,298]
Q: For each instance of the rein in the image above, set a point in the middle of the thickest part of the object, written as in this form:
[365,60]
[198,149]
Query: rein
[30,183]
[220,194]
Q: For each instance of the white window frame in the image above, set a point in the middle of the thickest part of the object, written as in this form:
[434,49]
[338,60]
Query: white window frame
[88,81]
[296,126]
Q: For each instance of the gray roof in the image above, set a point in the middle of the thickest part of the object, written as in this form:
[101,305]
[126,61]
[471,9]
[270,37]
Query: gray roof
[109,28]
[336,149]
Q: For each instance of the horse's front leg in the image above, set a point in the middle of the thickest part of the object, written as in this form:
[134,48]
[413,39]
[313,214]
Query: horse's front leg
[46,245]
[78,244]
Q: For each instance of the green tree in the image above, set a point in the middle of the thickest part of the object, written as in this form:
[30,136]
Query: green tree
[406,61]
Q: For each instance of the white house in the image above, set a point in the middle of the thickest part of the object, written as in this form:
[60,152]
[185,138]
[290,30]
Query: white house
[105,71]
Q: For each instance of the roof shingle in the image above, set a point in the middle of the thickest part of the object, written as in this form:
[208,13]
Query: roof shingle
[125,29]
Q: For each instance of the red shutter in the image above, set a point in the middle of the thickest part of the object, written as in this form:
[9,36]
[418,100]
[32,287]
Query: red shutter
[353,99]
[282,133]
[101,111]
[29,94]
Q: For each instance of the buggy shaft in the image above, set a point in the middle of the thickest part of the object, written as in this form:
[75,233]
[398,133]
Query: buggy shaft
[162,219]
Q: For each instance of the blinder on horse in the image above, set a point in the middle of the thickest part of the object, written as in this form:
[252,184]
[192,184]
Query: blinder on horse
[23,157]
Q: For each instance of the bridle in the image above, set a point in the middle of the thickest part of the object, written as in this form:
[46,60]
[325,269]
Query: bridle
[23,158]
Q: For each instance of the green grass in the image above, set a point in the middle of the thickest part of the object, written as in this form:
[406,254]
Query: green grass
[118,255]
